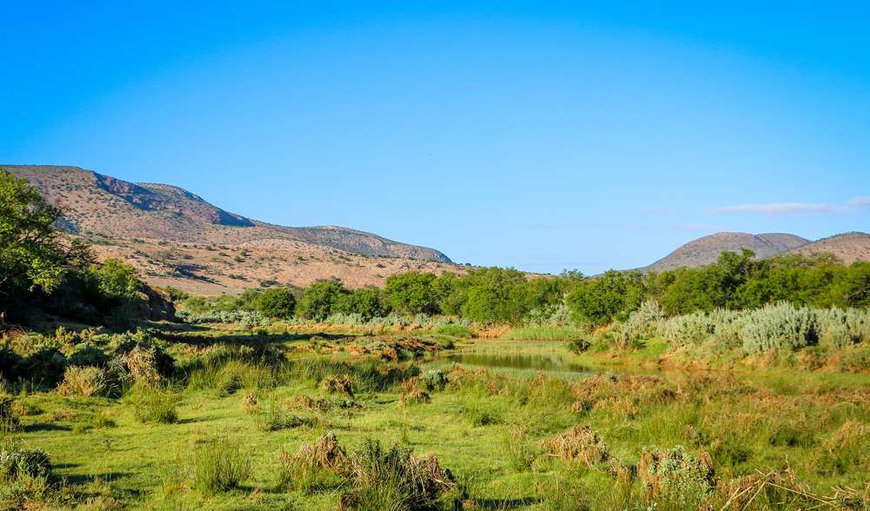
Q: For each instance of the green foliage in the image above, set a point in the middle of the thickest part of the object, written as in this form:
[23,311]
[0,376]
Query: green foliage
[116,280]
[319,299]
[276,303]
[675,479]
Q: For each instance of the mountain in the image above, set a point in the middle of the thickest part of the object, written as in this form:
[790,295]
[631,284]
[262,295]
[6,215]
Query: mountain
[848,247]
[706,250]
[177,238]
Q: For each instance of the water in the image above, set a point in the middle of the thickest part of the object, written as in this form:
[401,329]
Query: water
[519,361]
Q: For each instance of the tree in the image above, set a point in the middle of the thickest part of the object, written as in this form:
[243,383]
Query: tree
[319,299]
[609,297]
[32,254]
[495,295]
[276,303]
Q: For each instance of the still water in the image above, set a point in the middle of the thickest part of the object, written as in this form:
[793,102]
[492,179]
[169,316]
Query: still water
[519,361]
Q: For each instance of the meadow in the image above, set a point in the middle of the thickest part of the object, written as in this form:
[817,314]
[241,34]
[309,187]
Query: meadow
[223,416]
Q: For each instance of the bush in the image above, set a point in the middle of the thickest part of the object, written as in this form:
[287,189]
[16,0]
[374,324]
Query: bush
[83,381]
[780,326]
[8,419]
[219,465]
[313,467]
[433,379]
[276,303]
[579,444]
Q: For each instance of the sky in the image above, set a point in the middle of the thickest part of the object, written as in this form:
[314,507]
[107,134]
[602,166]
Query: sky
[539,135]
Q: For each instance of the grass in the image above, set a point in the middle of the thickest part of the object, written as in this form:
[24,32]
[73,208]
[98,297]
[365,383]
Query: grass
[542,333]
[486,426]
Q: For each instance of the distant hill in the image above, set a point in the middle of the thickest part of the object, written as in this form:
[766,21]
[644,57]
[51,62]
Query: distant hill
[177,238]
[847,247]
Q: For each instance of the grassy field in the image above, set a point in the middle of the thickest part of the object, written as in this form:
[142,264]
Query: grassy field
[549,430]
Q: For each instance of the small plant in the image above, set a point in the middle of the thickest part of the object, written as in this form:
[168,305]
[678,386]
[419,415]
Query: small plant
[675,477]
[275,418]
[9,421]
[313,467]
[219,465]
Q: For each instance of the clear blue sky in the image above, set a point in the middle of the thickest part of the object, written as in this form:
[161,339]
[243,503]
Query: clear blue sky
[540,135]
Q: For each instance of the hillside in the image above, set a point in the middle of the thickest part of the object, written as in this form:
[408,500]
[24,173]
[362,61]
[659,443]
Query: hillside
[848,247]
[176,238]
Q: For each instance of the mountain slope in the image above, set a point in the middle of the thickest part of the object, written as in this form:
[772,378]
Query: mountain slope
[177,238]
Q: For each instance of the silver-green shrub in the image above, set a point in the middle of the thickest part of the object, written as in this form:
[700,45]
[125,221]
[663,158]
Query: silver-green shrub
[779,326]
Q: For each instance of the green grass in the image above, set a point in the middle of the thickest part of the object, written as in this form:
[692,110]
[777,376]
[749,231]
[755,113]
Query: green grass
[486,426]
[542,333]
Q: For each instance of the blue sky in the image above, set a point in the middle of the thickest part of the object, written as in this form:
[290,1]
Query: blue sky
[539,135]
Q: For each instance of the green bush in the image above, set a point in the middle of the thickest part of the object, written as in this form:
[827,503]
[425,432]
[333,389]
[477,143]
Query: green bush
[433,379]
[276,303]
[676,479]
[219,465]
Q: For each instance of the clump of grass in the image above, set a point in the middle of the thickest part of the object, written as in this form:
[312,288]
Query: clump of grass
[154,405]
[314,467]
[274,417]
[454,330]
[83,381]
[394,479]
[519,450]
[580,444]
[543,333]
[249,403]
[219,465]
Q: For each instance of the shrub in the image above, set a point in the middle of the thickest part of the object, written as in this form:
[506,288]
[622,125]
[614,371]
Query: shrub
[340,385]
[83,381]
[17,462]
[780,326]
[219,465]
[433,379]
[675,477]
[276,303]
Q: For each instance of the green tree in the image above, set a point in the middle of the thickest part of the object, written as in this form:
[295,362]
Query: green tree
[412,293]
[117,280]
[495,295]
[276,303]
[319,299]
[32,255]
